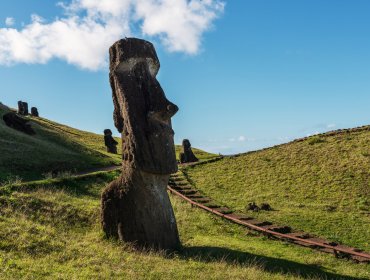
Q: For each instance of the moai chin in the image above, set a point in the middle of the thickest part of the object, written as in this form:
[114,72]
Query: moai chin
[187,155]
[109,142]
[136,207]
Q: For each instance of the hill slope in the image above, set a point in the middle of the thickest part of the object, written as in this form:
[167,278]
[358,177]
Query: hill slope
[320,184]
[55,148]
[50,230]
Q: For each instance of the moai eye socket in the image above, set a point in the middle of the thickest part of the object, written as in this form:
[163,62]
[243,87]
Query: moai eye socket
[129,65]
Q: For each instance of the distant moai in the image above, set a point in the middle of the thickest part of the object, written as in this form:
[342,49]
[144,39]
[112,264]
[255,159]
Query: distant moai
[34,112]
[136,207]
[12,120]
[22,108]
[187,154]
[109,141]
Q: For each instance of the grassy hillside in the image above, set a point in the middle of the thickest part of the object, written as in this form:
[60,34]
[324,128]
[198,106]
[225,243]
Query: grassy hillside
[320,184]
[50,230]
[54,148]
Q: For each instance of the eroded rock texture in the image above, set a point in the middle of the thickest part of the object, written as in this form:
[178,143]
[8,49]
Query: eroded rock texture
[14,121]
[187,154]
[109,141]
[34,112]
[22,108]
[136,207]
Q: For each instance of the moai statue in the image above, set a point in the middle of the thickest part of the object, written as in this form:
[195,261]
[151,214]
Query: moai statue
[34,112]
[136,207]
[109,141]
[22,108]
[14,121]
[187,155]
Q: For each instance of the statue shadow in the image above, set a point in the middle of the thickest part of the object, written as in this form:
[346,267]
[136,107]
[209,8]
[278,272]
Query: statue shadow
[269,264]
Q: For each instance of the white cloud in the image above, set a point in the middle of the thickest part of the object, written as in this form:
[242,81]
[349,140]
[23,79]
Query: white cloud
[242,139]
[9,21]
[87,29]
[332,125]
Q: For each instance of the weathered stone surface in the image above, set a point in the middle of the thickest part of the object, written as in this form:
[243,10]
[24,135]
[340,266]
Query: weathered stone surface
[109,141]
[14,121]
[22,108]
[136,207]
[187,154]
[34,112]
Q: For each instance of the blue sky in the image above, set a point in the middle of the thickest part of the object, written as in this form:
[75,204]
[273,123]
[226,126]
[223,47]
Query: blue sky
[246,74]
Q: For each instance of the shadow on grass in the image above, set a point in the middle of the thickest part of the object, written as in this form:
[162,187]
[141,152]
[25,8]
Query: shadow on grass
[268,264]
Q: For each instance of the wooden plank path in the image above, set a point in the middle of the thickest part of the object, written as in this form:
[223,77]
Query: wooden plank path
[179,186]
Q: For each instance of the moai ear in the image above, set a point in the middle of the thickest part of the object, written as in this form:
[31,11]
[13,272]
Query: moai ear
[117,114]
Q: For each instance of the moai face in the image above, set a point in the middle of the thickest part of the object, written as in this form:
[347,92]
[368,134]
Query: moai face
[142,111]
[186,144]
[107,132]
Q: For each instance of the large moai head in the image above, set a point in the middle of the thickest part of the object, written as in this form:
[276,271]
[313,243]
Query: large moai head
[142,112]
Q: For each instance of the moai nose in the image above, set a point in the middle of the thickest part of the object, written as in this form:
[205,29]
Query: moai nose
[172,109]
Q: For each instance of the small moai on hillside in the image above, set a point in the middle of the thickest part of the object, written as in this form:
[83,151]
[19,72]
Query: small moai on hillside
[13,120]
[187,154]
[22,108]
[34,112]
[136,207]
[109,141]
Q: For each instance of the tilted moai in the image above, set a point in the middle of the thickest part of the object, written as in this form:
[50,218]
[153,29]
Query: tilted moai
[187,154]
[12,120]
[109,141]
[136,207]
[34,112]
[22,108]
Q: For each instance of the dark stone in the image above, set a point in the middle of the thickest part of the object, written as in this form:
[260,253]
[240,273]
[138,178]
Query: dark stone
[187,154]
[22,108]
[109,141]
[14,121]
[253,207]
[136,207]
[34,112]
[266,207]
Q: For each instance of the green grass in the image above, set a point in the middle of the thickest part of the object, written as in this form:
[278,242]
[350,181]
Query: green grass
[50,230]
[54,148]
[320,185]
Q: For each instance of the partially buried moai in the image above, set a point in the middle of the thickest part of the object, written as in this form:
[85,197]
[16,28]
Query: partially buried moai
[109,141]
[15,121]
[22,108]
[34,112]
[136,207]
[187,154]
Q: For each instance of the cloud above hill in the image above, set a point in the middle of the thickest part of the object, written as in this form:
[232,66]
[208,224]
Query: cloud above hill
[87,28]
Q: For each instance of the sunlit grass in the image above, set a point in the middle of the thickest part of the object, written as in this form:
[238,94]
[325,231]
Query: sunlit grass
[51,230]
[320,185]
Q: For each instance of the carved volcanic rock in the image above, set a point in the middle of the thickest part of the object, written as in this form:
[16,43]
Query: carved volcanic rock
[109,141]
[14,121]
[136,207]
[22,108]
[187,154]
[34,112]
